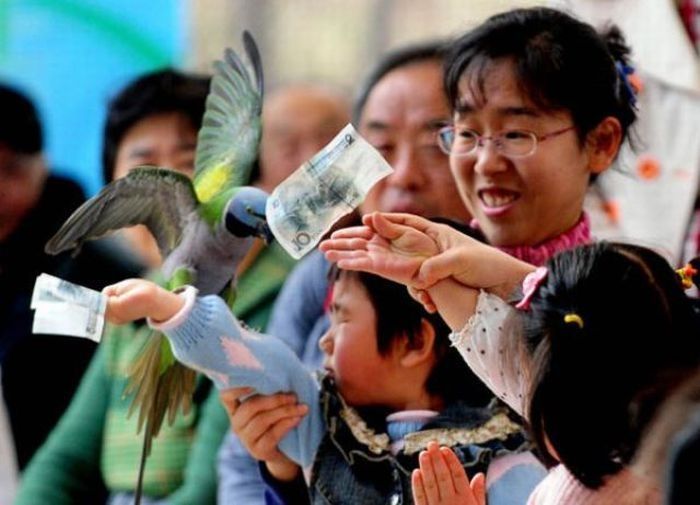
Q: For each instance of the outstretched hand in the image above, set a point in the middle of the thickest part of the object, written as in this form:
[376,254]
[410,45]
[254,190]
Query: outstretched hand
[382,246]
[135,299]
[441,480]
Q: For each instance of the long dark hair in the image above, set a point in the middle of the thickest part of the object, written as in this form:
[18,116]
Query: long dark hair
[596,381]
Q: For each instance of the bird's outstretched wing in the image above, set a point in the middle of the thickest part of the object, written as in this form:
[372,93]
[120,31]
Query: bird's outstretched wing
[159,198]
[227,144]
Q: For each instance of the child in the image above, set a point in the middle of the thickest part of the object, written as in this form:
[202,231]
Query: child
[388,367]
[589,369]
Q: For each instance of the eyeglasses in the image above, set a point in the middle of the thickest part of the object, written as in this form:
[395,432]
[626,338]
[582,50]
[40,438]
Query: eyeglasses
[511,143]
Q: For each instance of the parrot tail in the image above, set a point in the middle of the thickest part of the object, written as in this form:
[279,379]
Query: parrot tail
[160,386]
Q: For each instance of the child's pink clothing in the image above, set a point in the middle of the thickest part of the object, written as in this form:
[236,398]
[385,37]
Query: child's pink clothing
[623,488]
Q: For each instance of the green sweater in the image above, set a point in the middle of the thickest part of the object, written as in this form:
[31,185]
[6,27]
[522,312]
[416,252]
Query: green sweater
[95,435]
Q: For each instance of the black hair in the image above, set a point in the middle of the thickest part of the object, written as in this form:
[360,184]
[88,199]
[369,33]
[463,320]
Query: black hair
[154,93]
[560,62]
[20,128]
[398,58]
[400,316]
[596,383]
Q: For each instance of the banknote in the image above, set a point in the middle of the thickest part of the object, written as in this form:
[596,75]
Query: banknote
[64,308]
[54,289]
[330,185]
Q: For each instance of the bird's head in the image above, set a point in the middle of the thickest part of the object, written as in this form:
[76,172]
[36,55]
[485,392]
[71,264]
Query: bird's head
[245,214]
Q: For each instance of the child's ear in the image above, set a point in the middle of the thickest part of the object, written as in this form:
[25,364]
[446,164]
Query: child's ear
[603,143]
[421,349]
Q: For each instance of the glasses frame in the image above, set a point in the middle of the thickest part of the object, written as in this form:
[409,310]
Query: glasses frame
[480,141]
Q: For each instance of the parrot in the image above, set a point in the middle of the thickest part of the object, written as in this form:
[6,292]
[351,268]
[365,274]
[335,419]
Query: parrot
[203,226]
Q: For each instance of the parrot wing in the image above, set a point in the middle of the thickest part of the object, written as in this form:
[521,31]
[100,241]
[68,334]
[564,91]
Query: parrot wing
[159,198]
[227,143]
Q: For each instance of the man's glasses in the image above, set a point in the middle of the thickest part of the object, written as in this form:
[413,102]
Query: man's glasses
[511,143]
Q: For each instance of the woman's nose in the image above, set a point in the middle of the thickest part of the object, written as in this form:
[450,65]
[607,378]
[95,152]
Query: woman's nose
[488,160]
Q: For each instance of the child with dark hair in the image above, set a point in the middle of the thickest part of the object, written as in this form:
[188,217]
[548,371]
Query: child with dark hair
[603,333]
[389,388]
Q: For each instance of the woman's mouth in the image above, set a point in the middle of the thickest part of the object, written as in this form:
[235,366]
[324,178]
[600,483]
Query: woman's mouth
[496,201]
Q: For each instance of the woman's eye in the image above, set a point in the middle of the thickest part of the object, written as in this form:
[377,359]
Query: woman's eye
[515,135]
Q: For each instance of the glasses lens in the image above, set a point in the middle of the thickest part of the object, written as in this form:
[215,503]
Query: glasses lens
[446,137]
[518,143]
[463,141]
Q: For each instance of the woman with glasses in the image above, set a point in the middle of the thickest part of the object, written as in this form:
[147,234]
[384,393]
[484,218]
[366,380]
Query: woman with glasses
[541,104]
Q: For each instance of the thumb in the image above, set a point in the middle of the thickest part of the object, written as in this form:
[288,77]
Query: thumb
[440,266]
[384,227]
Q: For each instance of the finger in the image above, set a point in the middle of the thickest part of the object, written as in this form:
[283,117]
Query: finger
[458,476]
[386,228]
[430,486]
[262,427]
[230,398]
[119,287]
[266,445]
[411,220]
[424,298]
[478,485]
[419,497]
[343,244]
[442,266]
[443,476]
[259,404]
[353,232]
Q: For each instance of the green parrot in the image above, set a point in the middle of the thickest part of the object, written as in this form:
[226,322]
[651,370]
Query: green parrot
[204,227]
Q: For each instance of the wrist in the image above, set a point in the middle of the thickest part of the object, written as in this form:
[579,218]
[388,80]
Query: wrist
[174,310]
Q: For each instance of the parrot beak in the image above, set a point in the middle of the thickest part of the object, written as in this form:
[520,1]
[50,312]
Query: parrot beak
[245,214]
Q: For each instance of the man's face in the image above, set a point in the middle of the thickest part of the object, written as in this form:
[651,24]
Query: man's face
[297,123]
[22,179]
[401,117]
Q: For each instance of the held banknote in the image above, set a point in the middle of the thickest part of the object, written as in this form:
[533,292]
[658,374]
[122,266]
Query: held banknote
[64,308]
[330,185]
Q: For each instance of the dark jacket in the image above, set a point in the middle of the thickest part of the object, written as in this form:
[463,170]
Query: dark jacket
[354,465]
[41,372]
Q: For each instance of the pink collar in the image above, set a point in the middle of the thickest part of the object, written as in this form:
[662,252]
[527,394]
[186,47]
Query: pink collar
[538,254]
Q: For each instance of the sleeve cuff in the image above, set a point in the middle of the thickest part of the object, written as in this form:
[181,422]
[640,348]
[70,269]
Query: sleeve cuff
[189,293]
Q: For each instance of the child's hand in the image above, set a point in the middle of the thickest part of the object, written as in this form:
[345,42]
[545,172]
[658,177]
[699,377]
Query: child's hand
[261,422]
[442,480]
[381,247]
[134,299]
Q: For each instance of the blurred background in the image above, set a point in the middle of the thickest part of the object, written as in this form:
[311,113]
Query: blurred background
[71,56]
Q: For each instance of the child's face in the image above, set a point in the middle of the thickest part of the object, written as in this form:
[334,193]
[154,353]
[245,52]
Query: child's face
[362,375]
[526,200]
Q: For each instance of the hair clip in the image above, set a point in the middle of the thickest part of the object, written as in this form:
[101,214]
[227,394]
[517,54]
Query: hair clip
[573,318]
[686,275]
[625,72]
[531,282]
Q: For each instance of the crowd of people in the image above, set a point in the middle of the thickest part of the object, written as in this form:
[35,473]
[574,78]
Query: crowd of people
[462,338]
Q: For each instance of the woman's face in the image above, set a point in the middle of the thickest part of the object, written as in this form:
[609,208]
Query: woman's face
[165,140]
[526,200]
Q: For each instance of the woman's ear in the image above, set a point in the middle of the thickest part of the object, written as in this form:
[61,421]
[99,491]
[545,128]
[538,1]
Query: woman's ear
[421,349]
[603,144]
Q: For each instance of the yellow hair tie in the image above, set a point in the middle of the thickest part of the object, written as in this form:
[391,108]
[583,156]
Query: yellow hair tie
[574,318]
[686,275]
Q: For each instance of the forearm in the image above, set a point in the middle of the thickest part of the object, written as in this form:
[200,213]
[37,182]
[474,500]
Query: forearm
[454,301]
[209,339]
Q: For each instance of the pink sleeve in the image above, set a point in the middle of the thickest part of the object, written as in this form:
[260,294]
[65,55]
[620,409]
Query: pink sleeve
[488,345]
